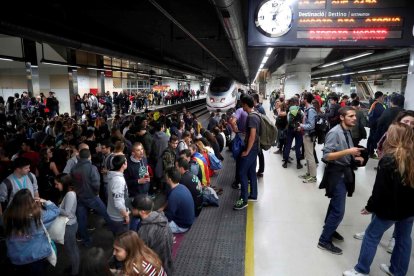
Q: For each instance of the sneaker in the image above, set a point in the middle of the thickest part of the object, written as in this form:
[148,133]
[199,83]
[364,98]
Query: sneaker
[385,268]
[337,236]
[284,164]
[310,179]
[359,236]
[240,204]
[304,176]
[331,248]
[259,174]
[250,198]
[353,272]
[391,245]
[299,166]
[236,186]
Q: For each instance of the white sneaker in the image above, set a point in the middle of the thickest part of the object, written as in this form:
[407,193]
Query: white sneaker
[385,268]
[391,245]
[353,272]
[359,236]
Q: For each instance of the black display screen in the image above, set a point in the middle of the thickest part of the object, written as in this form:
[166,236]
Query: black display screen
[358,23]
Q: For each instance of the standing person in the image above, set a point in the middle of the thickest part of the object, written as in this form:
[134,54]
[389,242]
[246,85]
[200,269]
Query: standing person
[259,108]
[26,240]
[391,204]
[332,112]
[87,181]
[118,195]
[136,175]
[21,178]
[309,138]
[154,230]
[374,113]
[358,131]
[134,257]
[339,178]
[248,158]
[64,184]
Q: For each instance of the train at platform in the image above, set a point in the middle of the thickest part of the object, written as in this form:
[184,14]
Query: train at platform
[223,94]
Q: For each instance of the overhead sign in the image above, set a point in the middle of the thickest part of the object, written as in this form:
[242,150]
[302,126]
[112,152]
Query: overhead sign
[302,23]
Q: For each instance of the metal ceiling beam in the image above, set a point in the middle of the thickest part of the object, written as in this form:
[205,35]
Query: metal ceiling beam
[182,28]
[229,13]
[362,61]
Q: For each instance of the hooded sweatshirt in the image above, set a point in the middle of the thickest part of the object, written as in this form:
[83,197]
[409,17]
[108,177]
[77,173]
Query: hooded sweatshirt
[117,195]
[156,234]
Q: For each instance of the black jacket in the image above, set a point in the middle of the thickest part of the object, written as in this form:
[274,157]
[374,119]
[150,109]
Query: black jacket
[390,199]
[385,120]
[331,175]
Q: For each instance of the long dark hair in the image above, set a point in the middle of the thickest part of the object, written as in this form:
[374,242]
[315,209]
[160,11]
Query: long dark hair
[23,210]
[67,184]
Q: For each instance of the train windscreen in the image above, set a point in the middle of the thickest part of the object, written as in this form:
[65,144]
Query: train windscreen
[220,85]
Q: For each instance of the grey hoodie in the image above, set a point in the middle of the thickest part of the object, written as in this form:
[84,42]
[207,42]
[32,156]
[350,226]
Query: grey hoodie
[156,234]
[117,195]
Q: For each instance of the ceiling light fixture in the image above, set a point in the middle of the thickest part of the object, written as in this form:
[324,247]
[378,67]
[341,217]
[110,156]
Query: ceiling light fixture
[269,51]
[366,71]
[394,66]
[347,59]
[6,59]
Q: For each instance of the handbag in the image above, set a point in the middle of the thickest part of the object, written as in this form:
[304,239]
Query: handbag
[57,229]
[52,258]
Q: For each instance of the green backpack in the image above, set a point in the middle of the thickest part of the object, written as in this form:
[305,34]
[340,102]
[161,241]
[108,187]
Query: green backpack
[268,132]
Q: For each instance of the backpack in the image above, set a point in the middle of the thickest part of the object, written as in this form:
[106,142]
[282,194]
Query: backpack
[321,128]
[215,163]
[237,146]
[10,189]
[268,132]
[295,118]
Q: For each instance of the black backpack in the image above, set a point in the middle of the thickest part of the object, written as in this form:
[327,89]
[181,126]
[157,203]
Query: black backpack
[321,128]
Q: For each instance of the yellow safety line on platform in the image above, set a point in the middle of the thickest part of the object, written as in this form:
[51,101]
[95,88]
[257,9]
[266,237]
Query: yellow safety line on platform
[249,256]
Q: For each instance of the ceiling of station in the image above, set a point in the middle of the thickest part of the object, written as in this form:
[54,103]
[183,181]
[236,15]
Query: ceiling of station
[191,41]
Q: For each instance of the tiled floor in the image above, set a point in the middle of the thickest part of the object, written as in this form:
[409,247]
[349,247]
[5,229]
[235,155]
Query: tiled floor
[288,220]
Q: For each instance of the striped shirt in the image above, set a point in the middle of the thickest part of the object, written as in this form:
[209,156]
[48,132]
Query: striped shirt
[149,270]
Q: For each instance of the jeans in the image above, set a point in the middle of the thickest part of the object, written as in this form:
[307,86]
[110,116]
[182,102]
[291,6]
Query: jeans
[247,171]
[335,213]
[175,229]
[290,134]
[82,210]
[71,247]
[400,258]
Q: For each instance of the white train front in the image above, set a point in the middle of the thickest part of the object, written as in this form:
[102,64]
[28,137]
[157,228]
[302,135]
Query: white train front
[222,94]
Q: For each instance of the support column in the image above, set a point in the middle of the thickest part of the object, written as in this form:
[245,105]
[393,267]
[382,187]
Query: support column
[32,72]
[297,79]
[73,79]
[100,74]
[409,88]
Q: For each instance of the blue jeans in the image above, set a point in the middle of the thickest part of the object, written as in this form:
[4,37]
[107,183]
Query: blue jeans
[247,171]
[71,247]
[82,210]
[400,258]
[290,134]
[335,213]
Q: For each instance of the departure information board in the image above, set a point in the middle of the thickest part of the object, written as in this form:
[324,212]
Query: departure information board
[358,23]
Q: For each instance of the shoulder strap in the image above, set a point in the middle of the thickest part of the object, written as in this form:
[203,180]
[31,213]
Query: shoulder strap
[30,175]
[9,188]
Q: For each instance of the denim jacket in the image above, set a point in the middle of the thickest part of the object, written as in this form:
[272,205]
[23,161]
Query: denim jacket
[35,246]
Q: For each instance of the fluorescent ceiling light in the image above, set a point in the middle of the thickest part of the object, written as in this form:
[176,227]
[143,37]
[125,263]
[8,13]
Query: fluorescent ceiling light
[265,59]
[98,69]
[56,64]
[34,66]
[358,56]
[330,64]
[394,66]
[269,51]
[261,66]
[346,74]
[366,71]
[6,59]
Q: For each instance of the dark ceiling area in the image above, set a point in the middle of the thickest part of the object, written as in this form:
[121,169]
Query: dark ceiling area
[137,30]
[185,36]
